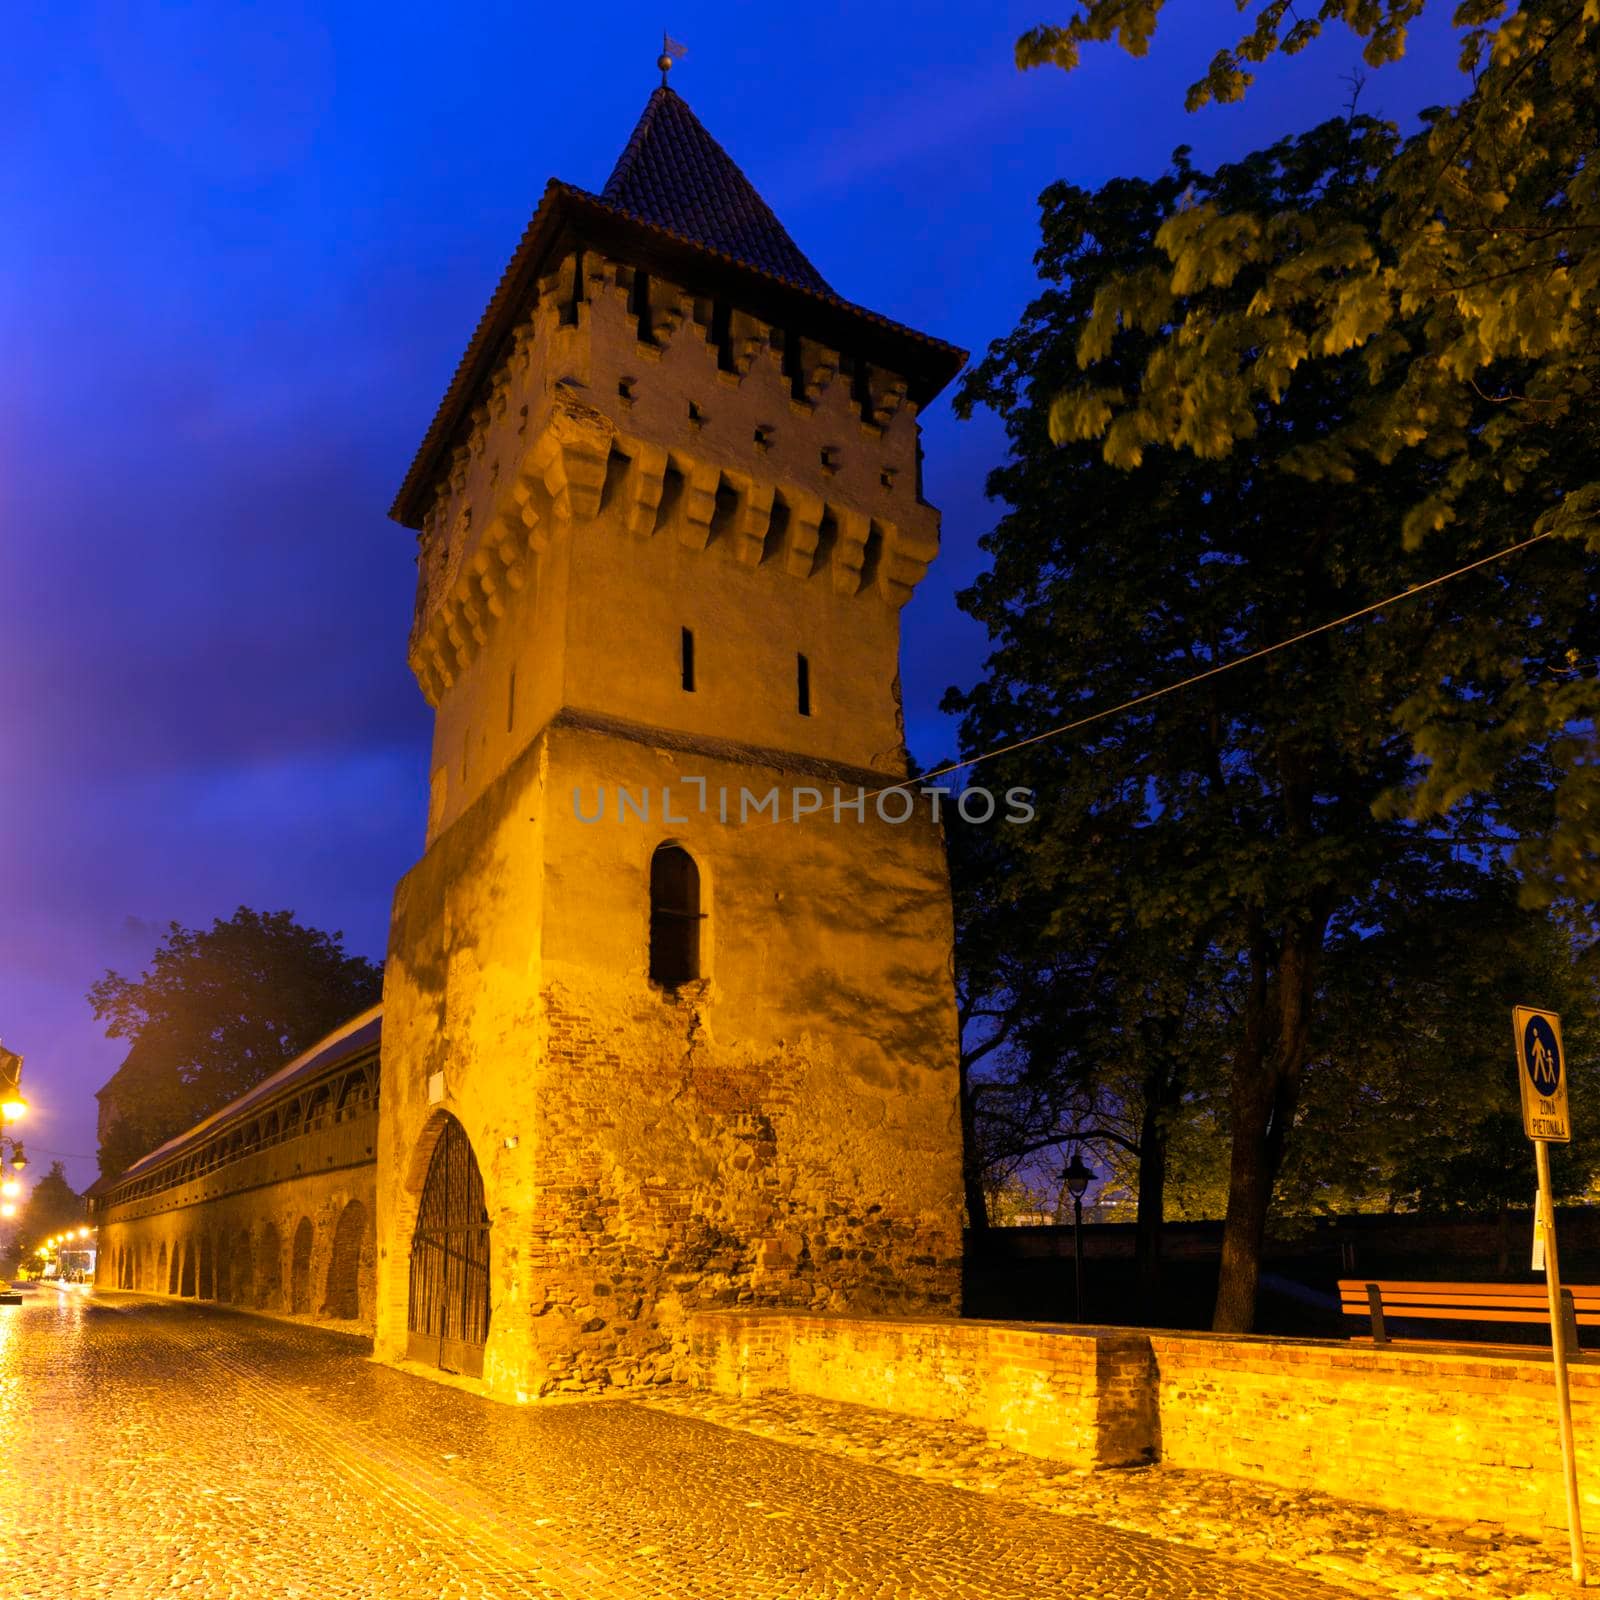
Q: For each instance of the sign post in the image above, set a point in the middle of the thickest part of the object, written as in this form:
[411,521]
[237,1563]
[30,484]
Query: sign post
[1542,1081]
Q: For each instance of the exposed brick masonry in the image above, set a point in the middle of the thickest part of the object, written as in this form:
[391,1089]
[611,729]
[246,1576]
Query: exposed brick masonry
[1428,1431]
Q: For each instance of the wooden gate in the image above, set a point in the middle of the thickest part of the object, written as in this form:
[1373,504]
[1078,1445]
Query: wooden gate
[449,1308]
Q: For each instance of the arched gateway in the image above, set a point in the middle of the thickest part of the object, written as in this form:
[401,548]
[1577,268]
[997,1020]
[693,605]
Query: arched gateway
[448,1319]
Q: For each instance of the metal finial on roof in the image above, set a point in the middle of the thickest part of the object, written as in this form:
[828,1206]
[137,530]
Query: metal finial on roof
[671,51]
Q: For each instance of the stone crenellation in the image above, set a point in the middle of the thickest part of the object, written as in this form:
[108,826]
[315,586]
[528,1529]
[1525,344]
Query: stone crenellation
[811,467]
[645,1063]
[666,550]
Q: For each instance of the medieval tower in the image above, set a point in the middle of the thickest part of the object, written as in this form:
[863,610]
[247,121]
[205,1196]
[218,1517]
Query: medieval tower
[668,1013]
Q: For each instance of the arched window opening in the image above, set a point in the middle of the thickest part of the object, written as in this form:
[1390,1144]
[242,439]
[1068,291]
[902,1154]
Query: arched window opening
[675,917]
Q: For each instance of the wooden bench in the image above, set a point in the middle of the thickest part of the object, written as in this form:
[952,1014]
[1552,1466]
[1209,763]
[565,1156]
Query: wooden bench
[1467,1302]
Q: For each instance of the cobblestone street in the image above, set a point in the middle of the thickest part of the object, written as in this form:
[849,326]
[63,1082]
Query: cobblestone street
[155,1448]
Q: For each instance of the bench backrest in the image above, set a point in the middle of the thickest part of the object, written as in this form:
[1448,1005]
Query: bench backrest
[1465,1302]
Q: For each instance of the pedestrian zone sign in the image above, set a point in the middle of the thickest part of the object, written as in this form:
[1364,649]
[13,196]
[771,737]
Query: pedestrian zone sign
[1541,1074]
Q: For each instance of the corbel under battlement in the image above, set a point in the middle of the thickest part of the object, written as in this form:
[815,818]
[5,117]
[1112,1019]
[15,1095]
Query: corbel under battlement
[578,466]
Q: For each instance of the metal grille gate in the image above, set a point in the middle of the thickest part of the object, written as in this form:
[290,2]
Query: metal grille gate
[449,1309]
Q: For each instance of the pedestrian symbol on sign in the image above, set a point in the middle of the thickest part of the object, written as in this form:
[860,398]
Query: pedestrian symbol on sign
[1542,1051]
[1542,1076]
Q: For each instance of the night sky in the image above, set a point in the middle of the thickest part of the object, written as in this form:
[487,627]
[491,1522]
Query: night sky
[245,246]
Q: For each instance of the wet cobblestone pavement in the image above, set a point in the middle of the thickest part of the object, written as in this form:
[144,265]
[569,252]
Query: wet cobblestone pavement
[1374,1552]
[154,1448]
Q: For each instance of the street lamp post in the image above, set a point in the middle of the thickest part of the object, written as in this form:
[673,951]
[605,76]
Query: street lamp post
[12,1106]
[1077,1178]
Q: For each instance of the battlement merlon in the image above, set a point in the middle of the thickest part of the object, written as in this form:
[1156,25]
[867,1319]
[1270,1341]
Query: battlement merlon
[569,220]
[621,383]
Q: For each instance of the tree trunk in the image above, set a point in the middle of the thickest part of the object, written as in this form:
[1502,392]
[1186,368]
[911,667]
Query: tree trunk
[1245,1230]
[1266,1087]
[971,1168]
[977,1200]
[1152,1205]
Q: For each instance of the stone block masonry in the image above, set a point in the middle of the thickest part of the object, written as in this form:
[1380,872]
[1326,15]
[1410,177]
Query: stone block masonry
[775,1133]
[699,1056]
[1431,1431]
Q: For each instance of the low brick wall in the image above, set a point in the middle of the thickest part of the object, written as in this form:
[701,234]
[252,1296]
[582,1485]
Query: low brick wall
[1064,1394]
[1429,1431]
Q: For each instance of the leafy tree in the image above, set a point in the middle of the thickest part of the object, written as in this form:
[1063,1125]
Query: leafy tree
[1076,1031]
[217,1011]
[1469,288]
[1228,839]
[1411,1099]
[51,1206]
[1158,1039]
[145,1103]
[1016,990]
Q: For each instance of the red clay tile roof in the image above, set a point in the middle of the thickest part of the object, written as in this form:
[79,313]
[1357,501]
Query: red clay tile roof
[674,174]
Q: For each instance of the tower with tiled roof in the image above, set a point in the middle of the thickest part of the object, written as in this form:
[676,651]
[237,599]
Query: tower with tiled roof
[671,969]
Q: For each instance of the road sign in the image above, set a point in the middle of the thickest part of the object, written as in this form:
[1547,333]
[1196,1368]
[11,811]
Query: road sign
[1541,1075]
[1542,1082]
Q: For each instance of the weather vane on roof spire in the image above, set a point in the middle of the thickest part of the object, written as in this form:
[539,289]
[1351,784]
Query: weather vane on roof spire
[671,51]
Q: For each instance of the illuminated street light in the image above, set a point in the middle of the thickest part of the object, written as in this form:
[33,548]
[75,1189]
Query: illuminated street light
[8,1208]
[10,1188]
[12,1105]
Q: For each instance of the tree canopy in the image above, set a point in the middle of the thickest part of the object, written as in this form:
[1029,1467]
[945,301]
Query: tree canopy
[51,1206]
[1216,850]
[217,1010]
[1466,292]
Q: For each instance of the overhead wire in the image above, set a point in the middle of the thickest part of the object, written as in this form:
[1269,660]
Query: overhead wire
[1209,672]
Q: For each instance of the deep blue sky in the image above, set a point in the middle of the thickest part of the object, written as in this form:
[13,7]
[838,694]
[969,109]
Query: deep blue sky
[244,248]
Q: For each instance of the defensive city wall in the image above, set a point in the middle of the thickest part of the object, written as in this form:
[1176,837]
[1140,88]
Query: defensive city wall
[268,1204]
[671,1094]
